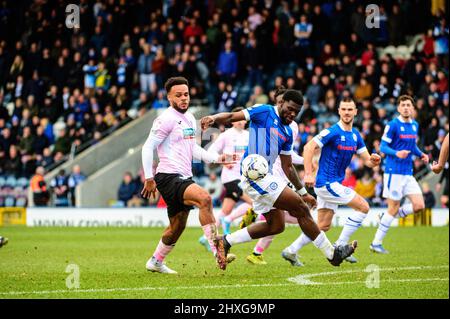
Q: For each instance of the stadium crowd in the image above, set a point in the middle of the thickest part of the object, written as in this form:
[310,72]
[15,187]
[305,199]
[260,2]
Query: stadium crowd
[63,89]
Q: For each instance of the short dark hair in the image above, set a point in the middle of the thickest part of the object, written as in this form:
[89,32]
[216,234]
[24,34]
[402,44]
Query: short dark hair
[406,97]
[177,80]
[280,90]
[294,96]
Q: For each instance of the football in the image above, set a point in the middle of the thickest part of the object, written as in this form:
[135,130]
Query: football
[254,167]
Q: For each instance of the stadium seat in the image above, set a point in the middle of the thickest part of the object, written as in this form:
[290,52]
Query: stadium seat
[11,181]
[10,201]
[2,181]
[23,182]
[21,202]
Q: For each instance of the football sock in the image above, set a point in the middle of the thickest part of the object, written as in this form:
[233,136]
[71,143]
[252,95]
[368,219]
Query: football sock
[238,212]
[162,250]
[405,210]
[263,244]
[352,223]
[324,245]
[301,241]
[210,232]
[219,215]
[383,227]
[239,236]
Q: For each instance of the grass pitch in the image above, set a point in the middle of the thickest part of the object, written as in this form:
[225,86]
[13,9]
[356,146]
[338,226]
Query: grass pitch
[111,263]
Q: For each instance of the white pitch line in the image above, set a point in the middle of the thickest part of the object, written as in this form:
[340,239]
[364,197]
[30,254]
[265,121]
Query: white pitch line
[305,279]
[292,284]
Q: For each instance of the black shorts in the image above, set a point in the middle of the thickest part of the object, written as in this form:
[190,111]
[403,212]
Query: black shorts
[232,190]
[172,187]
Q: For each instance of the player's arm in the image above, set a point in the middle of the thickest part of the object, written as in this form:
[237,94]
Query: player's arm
[291,173]
[209,157]
[297,159]
[308,154]
[443,157]
[157,135]
[386,141]
[225,118]
[370,160]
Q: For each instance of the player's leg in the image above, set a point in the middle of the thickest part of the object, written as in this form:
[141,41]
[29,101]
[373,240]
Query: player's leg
[355,218]
[256,256]
[3,241]
[413,191]
[235,193]
[292,203]
[227,207]
[197,196]
[177,224]
[384,225]
[324,218]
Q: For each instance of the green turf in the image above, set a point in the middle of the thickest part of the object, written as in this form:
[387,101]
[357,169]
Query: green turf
[112,264]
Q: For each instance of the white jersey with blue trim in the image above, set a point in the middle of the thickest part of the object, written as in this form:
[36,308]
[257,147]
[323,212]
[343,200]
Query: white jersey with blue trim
[338,147]
[269,137]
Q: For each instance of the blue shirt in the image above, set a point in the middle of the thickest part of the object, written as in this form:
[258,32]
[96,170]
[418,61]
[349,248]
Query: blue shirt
[268,137]
[338,147]
[399,135]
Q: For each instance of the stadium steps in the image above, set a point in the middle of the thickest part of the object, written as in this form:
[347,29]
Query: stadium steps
[104,152]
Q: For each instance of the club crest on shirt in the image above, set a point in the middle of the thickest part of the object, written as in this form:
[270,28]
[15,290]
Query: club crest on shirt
[402,128]
[355,138]
[273,186]
[188,133]
[414,128]
[342,138]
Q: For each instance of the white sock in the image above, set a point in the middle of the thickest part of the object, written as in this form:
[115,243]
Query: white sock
[301,241]
[352,223]
[405,210]
[383,227]
[239,236]
[218,216]
[324,245]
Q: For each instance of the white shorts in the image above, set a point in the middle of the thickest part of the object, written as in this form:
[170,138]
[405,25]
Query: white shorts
[397,186]
[263,192]
[332,195]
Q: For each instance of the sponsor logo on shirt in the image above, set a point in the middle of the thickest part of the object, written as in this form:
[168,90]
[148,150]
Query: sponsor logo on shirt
[346,148]
[279,134]
[408,136]
[240,148]
[188,133]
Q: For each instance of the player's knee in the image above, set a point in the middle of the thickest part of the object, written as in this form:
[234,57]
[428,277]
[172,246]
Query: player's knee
[324,226]
[205,200]
[417,207]
[364,208]
[276,229]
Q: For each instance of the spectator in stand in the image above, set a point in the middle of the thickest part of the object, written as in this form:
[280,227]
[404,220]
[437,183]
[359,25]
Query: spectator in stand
[75,178]
[60,189]
[41,196]
[127,189]
[227,63]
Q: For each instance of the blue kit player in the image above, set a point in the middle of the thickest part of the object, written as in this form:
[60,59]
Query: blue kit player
[338,144]
[399,143]
[270,137]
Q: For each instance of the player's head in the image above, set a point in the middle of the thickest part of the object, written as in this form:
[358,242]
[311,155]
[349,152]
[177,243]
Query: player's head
[347,110]
[177,89]
[240,125]
[278,95]
[405,106]
[290,106]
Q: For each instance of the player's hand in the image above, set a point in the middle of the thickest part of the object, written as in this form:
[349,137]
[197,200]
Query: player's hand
[310,200]
[149,189]
[436,168]
[402,154]
[206,122]
[375,159]
[227,159]
[309,181]
[425,158]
